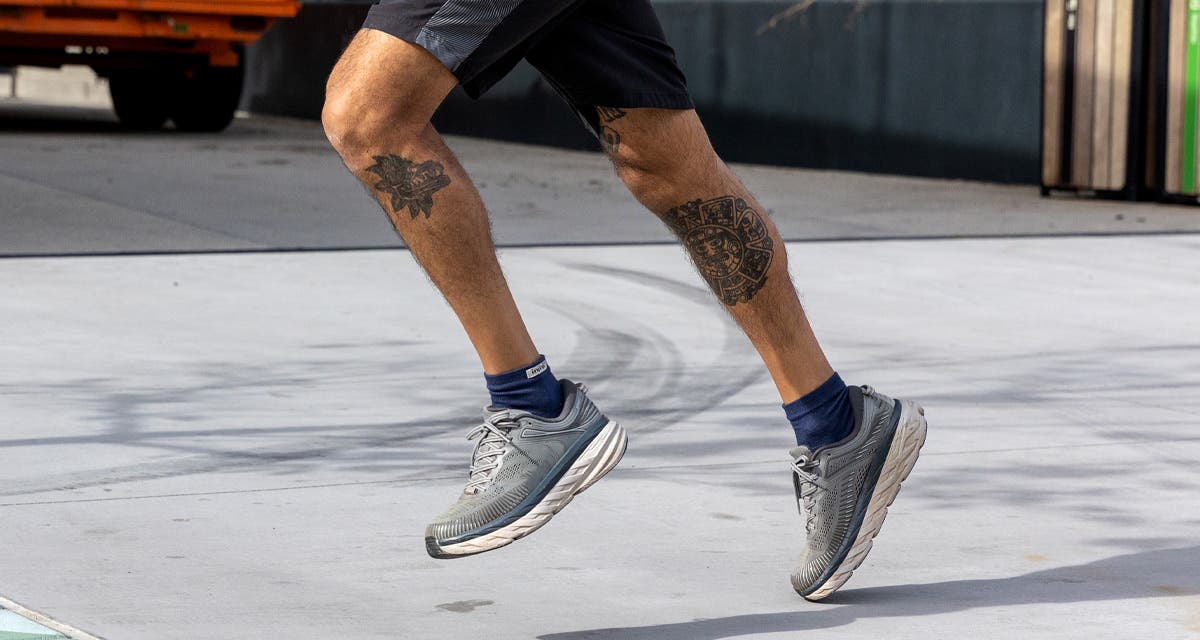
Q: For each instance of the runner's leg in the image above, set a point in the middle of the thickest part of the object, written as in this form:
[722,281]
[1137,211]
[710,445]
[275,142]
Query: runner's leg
[855,446]
[543,436]
[379,100]
[665,158]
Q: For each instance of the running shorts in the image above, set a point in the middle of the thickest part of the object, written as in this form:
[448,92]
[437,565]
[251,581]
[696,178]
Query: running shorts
[609,53]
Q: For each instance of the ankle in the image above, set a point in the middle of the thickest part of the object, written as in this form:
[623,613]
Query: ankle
[823,416]
[531,388]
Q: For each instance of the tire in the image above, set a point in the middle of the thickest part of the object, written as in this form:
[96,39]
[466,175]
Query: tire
[205,98]
[139,100]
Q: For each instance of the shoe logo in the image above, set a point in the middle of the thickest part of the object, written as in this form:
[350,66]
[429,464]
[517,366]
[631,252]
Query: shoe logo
[532,432]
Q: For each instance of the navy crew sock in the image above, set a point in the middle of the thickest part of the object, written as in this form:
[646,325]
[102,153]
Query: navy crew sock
[531,388]
[823,416]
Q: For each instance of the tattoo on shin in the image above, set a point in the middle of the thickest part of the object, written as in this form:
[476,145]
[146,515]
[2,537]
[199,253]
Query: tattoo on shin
[609,138]
[410,184]
[729,243]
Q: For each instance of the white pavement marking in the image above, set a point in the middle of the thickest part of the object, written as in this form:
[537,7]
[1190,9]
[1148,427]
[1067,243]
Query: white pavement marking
[45,621]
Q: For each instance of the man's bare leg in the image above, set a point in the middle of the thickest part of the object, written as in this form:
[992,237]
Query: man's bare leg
[379,100]
[665,159]
[846,485]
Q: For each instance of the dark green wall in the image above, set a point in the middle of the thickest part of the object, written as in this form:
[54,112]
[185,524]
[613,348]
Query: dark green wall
[948,89]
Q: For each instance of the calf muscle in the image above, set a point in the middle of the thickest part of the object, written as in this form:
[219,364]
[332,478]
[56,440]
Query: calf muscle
[380,98]
[728,242]
[666,160]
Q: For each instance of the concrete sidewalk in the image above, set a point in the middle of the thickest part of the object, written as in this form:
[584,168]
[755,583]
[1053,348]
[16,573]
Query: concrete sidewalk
[75,183]
[248,446]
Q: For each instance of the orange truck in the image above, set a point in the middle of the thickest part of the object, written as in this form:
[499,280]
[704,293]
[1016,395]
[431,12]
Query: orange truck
[177,60]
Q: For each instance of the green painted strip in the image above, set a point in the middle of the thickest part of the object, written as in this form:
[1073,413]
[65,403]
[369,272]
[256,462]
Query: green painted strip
[1189,104]
[15,627]
[15,635]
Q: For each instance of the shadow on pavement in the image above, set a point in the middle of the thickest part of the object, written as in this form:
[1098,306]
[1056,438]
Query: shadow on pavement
[1146,574]
[24,117]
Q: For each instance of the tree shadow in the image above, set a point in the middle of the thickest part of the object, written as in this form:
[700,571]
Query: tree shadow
[1144,574]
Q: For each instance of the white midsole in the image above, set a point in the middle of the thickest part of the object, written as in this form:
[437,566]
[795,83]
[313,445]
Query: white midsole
[600,456]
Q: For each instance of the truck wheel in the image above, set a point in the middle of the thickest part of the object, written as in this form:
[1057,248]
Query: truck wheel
[139,100]
[206,98]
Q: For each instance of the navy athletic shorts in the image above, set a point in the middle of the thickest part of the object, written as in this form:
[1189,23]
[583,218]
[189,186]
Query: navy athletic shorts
[610,53]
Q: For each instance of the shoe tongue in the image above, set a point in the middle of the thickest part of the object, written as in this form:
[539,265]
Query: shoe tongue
[801,451]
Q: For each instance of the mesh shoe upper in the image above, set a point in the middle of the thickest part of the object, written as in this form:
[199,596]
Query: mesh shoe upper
[833,484]
[518,457]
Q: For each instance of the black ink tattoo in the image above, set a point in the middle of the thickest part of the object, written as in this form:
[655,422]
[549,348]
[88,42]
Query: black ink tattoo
[609,138]
[410,184]
[729,243]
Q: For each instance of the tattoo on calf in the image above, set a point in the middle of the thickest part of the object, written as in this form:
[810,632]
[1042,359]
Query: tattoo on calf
[410,184]
[609,138]
[729,243]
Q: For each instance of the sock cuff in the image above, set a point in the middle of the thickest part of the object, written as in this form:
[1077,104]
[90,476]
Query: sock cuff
[830,391]
[520,374]
[532,388]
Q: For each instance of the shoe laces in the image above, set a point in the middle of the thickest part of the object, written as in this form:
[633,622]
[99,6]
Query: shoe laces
[494,439]
[808,472]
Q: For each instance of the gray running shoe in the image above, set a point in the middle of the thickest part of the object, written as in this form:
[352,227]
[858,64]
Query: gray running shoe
[524,470]
[844,489]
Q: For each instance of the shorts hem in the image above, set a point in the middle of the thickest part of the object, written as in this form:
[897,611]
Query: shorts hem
[646,100]
[406,31]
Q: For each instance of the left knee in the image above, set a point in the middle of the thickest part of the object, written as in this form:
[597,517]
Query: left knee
[657,155]
[655,177]
[648,184]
